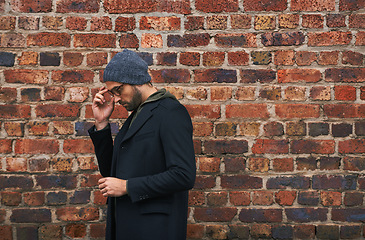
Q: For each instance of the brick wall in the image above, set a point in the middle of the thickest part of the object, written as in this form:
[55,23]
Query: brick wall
[275,89]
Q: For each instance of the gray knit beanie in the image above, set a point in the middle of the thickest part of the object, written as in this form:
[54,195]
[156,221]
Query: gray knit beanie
[127,67]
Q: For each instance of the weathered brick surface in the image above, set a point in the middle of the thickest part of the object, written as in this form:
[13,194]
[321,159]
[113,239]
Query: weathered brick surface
[274,88]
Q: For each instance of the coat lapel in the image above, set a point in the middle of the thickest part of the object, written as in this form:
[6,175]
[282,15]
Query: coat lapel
[142,117]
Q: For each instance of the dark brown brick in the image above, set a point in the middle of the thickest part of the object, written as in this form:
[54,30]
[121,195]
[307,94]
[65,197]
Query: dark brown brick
[266,5]
[215,214]
[32,6]
[211,6]
[77,6]
[282,39]
[261,215]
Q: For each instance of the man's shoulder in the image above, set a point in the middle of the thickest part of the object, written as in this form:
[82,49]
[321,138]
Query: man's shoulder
[170,103]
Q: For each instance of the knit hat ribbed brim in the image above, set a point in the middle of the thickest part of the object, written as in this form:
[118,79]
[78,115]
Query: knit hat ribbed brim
[127,67]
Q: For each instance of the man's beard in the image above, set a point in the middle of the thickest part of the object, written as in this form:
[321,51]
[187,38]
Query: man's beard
[135,102]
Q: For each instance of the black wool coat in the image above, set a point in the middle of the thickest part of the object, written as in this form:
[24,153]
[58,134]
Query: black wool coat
[156,155]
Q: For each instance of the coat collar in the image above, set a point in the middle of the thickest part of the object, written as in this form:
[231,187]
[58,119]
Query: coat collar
[142,117]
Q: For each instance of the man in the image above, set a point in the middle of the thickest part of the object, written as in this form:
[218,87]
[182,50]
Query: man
[149,169]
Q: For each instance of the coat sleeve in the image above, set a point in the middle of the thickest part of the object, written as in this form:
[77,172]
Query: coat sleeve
[103,144]
[176,137]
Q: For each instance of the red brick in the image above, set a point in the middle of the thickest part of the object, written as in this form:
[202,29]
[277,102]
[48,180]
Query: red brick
[119,112]
[321,93]
[282,39]
[216,22]
[312,21]
[221,93]
[225,129]
[72,59]
[166,59]
[63,128]
[262,197]
[213,58]
[247,111]
[288,21]
[100,23]
[2,4]
[97,230]
[345,74]
[7,94]
[190,58]
[202,129]
[207,164]
[31,6]
[360,39]
[95,40]
[89,180]
[77,6]
[266,5]
[11,198]
[351,146]
[341,110]
[235,40]
[257,75]
[194,23]
[261,231]
[129,6]
[73,76]
[234,164]
[28,23]
[26,76]
[270,146]
[170,76]
[14,111]
[6,232]
[14,129]
[159,23]
[239,198]
[28,58]
[7,22]
[54,93]
[362,93]
[329,38]
[241,21]
[351,5]
[6,146]
[129,40]
[77,214]
[336,20]
[199,93]
[225,146]
[76,230]
[10,40]
[297,110]
[45,39]
[57,111]
[354,163]
[36,146]
[195,231]
[284,57]
[312,146]
[151,40]
[283,164]
[125,24]
[298,75]
[245,93]
[215,214]
[52,23]
[205,182]
[211,6]
[259,164]
[328,58]
[216,75]
[51,232]
[313,5]
[241,182]
[265,22]
[295,93]
[38,128]
[285,198]
[97,59]
[254,215]
[78,146]
[217,198]
[76,23]
[345,93]
[353,58]
[238,58]
[329,198]
[357,21]
[34,198]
